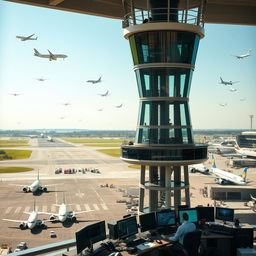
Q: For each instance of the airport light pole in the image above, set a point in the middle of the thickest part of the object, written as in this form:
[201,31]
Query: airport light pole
[251,118]
[164,36]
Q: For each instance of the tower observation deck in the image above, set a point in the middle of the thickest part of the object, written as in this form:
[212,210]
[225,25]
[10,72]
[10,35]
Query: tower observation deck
[164,39]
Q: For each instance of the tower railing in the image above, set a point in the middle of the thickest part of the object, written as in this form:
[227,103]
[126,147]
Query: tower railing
[135,16]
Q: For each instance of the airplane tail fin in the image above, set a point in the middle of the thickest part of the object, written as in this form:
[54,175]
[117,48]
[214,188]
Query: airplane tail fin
[221,80]
[36,52]
[38,174]
[213,162]
[244,174]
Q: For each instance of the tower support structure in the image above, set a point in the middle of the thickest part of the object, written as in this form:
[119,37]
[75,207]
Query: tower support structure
[164,36]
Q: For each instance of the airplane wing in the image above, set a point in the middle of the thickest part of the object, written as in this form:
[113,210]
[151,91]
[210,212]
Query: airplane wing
[19,36]
[19,185]
[52,56]
[29,36]
[19,221]
[49,185]
[75,213]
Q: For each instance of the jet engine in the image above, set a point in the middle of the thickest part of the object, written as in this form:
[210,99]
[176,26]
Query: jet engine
[52,218]
[43,226]
[73,218]
[44,189]
[25,190]
[220,181]
[23,226]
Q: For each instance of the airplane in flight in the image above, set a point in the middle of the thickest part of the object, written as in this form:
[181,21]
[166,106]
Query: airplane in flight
[119,106]
[101,109]
[243,55]
[49,56]
[25,38]
[232,89]
[245,152]
[104,94]
[227,82]
[32,220]
[66,104]
[94,81]
[223,177]
[35,186]
[64,214]
[243,99]
[62,117]
[15,94]
[223,104]
[41,79]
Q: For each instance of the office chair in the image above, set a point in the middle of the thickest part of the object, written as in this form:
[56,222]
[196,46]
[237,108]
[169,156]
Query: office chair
[191,242]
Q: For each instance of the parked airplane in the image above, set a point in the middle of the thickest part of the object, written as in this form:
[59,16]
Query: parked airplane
[49,56]
[15,94]
[198,168]
[253,198]
[223,177]
[35,186]
[243,55]
[25,38]
[246,152]
[223,104]
[94,81]
[119,106]
[50,139]
[104,94]
[64,214]
[227,82]
[32,220]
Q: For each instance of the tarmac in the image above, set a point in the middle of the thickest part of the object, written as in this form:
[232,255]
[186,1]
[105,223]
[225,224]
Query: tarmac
[82,190]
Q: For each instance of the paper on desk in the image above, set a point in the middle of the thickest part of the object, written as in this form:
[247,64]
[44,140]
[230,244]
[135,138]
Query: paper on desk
[145,245]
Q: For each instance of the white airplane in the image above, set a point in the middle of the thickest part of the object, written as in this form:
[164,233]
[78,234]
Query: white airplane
[32,220]
[246,152]
[223,104]
[64,214]
[227,82]
[243,55]
[35,186]
[101,109]
[198,168]
[104,94]
[232,89]
[50,139]
[94,81]
[49,56]
[15,94]
[25,38]
[223,177]
[119,106]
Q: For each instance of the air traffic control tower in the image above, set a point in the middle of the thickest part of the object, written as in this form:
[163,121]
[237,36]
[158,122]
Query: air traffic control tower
[164,36]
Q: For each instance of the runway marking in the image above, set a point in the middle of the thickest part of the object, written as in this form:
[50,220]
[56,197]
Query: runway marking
[104,207]
[98,195]
[96,207]
[17,210]
[78,207]
[27,209]
[79,194]
[87,207]
[44,208]
[8,210]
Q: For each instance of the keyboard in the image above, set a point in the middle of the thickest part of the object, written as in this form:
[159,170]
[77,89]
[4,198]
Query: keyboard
[221,229]
[136,242]
[167,230]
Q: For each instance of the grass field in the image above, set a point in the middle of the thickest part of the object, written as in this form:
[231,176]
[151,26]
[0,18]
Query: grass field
[13,143]
[102,144]
[92,140]
[12,154]
[15,169]
[115,152]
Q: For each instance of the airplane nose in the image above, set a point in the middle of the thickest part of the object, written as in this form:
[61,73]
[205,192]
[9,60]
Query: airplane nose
[62,218]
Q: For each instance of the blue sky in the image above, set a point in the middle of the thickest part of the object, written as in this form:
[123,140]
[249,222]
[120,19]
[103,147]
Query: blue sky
[96,47]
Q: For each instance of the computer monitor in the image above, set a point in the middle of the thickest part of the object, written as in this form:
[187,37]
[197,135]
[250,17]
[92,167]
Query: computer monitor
[205,213]
[147,221]
[166,218]
[127,227]
[192,215]
[87,236]
[224,214]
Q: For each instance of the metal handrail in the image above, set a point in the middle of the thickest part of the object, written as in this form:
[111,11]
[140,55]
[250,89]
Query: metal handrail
[193,16]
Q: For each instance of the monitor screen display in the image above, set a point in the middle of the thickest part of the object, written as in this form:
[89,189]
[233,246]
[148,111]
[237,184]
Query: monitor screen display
[89,235]
[192,215]
[147,221]
[127,227]
[205,213]
[224,214]
[165,218]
